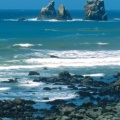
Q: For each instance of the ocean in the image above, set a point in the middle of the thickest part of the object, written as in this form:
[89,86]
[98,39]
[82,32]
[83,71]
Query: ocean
[82,47]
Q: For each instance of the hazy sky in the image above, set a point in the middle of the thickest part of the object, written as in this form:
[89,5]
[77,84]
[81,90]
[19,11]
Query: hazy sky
[37,4]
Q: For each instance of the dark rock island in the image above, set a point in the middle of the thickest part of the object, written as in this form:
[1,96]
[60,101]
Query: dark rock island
[63,14]
[95,10]
[48,12]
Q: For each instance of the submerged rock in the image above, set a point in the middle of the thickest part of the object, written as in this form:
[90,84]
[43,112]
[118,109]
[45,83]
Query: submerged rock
[10,81]
[22,19]
[48,12]
[95,10]
[33,73]
[63,14]
[54,56]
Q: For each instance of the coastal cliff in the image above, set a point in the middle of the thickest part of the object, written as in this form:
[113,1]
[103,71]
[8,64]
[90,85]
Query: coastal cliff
[95,10]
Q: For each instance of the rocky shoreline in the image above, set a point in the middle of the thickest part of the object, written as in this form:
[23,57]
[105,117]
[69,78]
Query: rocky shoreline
[103,100]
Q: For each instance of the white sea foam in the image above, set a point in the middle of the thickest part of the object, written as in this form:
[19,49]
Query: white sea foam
[3,39]
[54,20]
[55,63]
[75,20]
[10,19]
[51,20]
[40,44]
[23,45]
[32,19]
[54,30]
[74,62]
[4,88]
[31,84]
[71,58]
[85,54]
[102,43]
[95,75]
[118,19]
[63,96]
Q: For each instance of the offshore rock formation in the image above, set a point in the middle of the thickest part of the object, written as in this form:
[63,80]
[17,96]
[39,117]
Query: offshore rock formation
[95,10]
[63,14]
[48,12]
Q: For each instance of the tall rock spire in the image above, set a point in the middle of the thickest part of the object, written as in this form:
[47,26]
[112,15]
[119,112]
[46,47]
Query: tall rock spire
[47,12]
[95,10]
[63,14]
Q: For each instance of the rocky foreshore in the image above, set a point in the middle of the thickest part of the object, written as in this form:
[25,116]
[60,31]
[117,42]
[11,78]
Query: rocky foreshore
[101,100]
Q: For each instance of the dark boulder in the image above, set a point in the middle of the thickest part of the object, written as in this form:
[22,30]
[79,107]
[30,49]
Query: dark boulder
[57,102]
[21,19]
[47,12]
[33,73]
[41,79]
[64,75]
[95,10]
[87,80]
[53,56]
[47,88]
[63,14]
[10,81]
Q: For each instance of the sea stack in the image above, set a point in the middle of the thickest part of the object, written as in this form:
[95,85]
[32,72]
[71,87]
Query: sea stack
[95,10]
[47,12]
[63,14]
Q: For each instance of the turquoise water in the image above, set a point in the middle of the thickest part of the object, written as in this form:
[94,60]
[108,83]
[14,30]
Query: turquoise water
[83,47]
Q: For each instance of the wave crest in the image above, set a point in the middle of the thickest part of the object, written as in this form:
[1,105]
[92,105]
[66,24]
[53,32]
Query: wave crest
[23,45]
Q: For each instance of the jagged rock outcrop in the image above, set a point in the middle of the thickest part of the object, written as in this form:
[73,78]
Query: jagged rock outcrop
[48,12]
[63,14]
[95,10]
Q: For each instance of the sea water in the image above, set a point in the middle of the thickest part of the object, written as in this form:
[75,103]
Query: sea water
[82,47]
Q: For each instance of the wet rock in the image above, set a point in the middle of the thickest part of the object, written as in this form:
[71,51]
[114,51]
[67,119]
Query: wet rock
[78,76]
[73,87]
[53,56]
[22,19]
[41,79]
[33,73]
[47,88]
[64,75]
[95,10]
[84,94]
[63,14]
[16,109]
[46,98]
[10,81]
[47,12]
[116,75]
[117,83]
[94,112]
[87,80]
[87,104]
[64,118]
[57,102]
